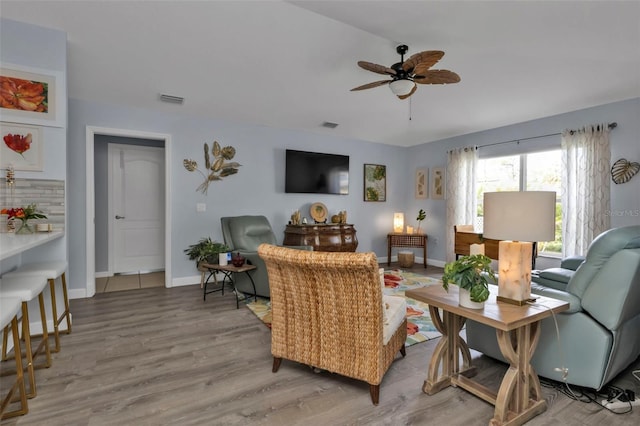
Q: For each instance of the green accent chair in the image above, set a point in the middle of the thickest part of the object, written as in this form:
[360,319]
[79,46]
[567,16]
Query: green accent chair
[243,234]
[598,335]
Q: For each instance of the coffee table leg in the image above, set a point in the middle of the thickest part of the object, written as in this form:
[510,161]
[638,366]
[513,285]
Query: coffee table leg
[447,352]
[519,398]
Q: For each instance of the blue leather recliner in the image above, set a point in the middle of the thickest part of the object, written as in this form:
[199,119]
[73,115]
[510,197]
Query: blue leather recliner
[243,234]
[598,335]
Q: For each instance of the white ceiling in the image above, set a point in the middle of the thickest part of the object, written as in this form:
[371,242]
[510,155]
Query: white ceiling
[292,64]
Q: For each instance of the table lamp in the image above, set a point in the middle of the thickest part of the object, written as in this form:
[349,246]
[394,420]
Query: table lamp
[518,219]
[398,222]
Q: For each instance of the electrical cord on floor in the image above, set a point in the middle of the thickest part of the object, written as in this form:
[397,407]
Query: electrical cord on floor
[580,394]
[585,395]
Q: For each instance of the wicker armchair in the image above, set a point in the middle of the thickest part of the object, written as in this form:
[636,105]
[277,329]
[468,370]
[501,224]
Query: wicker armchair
[327,312]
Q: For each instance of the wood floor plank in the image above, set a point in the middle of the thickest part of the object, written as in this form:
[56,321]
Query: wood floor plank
[160,356]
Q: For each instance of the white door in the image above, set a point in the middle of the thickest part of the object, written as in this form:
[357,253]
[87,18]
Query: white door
[136,208]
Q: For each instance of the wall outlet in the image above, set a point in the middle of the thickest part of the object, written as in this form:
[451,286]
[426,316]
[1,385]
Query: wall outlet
[618,405]
[201,207]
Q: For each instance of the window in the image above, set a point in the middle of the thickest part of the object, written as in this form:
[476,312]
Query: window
[538,171]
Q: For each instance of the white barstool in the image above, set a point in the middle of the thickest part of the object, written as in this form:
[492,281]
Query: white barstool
[26,289]
[9,312]
[52,271]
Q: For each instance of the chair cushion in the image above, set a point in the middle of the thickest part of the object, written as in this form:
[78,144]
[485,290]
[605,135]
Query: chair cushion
[9,308]
[50,269]
[395,308]
[26,288]
[247,232]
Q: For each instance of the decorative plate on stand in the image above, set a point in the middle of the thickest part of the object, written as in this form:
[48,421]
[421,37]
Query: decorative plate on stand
[319,212]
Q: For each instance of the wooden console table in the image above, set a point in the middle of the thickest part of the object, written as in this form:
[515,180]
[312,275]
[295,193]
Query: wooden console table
[517,327]
[464,238]
[407,240]
[330,237]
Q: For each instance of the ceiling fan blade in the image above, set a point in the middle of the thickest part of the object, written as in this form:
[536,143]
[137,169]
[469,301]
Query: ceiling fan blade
[437,77]
[424,60]
[372,85]
[409,94]
[380,69]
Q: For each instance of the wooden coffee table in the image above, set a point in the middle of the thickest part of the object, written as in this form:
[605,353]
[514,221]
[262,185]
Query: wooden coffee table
[518,328]
[227,271]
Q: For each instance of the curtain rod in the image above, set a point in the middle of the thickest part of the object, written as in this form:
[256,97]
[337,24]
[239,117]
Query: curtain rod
[611,126]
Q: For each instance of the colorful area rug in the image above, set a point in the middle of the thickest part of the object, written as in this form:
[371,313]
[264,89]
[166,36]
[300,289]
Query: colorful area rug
[420,328]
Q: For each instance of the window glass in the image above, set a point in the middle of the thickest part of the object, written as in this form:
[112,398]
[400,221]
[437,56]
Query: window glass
[539,171]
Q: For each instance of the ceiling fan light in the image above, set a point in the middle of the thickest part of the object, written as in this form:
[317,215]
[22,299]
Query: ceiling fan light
[401,87]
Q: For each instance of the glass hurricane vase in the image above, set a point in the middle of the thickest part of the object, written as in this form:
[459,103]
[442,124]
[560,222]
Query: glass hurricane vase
[24,227]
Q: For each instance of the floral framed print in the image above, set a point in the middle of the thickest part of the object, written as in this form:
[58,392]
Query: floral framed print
[32,96]
[437,183]
[422,177]
[21,147]
[375,182]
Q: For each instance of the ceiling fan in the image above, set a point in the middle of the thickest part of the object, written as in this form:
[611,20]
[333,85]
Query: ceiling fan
[405,74]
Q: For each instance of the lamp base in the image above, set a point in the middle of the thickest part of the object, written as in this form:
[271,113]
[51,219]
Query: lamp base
[514,301]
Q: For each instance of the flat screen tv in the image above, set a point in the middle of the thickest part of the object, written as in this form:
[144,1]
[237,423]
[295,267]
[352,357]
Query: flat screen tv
[316,173]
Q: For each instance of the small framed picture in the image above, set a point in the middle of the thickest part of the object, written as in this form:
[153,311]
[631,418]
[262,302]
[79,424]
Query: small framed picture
[421,183]
[438,183]
[375,182]
[32,96]
[21,147]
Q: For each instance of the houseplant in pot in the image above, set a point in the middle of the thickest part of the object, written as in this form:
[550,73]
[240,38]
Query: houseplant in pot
[471,274]
[206,250]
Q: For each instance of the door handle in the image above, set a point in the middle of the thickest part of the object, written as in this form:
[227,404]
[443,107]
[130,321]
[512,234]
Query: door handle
[119,217]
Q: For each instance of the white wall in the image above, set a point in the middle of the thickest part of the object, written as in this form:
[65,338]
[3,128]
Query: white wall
[258,188]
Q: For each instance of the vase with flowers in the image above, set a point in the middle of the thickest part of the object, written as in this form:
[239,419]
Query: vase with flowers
[23,214]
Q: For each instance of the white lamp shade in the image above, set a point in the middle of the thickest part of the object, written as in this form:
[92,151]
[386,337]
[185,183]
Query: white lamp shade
[398,222]
[401,87]
[520,216]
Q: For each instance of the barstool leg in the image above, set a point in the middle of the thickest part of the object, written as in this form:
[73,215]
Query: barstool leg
[54,311]
[19,384]
[27,347]
[45,335]
[67,311]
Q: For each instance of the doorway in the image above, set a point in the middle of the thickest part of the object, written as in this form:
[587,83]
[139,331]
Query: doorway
[135,221]
[100,262]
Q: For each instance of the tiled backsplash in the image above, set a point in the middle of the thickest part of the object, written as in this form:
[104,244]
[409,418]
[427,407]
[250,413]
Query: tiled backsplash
[48,195]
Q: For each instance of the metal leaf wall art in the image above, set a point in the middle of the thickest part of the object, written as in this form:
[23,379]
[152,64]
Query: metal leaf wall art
[623,170]
[219,168]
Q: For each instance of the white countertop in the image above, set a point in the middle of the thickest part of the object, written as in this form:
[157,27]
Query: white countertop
[12,244]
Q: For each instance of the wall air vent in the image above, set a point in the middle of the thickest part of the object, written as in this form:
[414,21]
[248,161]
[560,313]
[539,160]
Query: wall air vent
[171,99]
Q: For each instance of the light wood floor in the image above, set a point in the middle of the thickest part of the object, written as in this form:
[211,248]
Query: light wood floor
[159,356]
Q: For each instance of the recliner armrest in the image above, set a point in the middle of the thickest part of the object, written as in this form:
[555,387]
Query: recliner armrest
[575,304]
[572,262]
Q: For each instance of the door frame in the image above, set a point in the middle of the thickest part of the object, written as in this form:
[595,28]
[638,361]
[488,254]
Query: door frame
[91,132]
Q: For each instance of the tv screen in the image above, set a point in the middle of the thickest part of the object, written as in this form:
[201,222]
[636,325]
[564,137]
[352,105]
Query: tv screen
[316,173]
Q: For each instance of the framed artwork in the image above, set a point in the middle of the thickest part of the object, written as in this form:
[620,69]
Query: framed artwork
[32,96]
[375,182]
[21,147]
[437,183]
[421,183]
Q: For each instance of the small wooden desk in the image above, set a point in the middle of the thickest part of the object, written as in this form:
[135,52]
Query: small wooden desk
[395,239]
[227,271]
[519,398]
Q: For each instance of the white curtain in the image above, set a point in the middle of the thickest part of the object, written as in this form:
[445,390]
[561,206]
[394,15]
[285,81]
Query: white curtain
[460,192]
[586,158]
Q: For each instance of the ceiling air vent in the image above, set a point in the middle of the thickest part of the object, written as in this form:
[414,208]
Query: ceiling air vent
[329,125]
[172,99]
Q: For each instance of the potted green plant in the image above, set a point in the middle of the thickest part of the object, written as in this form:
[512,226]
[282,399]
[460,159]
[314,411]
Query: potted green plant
[421,216]
[206,250]
[471,274]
